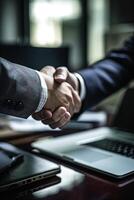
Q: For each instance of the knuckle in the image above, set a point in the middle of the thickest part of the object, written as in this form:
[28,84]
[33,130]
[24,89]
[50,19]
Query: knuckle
[69,98]
[67,106]
[62,68]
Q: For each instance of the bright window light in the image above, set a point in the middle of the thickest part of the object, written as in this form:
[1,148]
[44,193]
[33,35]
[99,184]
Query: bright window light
[47,17]
[58,9]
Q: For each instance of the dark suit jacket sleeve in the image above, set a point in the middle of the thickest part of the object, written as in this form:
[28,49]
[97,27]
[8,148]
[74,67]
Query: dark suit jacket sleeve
[109,75]
[20,89]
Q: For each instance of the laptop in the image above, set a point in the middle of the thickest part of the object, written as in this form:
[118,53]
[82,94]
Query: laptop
[26,192]
[107,150]
[29,169]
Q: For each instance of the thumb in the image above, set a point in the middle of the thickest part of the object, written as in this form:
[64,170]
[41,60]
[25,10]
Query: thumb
[49,70]
[61,74]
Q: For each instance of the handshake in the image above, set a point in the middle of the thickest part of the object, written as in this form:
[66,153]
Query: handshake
[63,97]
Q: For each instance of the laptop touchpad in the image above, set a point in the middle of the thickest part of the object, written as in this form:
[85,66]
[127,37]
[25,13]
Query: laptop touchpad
[86,154]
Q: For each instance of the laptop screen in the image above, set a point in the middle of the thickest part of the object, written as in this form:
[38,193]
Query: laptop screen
[124,118]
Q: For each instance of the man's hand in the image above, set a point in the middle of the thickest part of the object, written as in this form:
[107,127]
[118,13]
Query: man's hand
[62,75]
[63,101]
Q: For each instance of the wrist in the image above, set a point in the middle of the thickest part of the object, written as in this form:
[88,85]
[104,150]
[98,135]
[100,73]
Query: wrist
[73,81]
[77,82]
[50,102]
[49,81]
[44,92]
[82,87]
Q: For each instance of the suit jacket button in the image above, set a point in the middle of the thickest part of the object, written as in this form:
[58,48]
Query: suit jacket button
[19,105]
[9,103]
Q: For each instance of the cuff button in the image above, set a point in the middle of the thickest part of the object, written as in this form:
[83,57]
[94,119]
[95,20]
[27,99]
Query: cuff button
[19,106]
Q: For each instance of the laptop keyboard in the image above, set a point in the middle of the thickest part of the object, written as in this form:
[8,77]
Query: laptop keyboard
[114,146]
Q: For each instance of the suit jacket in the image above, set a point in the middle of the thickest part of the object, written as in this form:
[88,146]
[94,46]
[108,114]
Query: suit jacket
[20,89]
[110,74]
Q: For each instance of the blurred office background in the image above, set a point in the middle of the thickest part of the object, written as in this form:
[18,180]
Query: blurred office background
[88,28]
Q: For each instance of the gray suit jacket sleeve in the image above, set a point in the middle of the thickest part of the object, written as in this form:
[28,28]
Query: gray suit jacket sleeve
[20,89]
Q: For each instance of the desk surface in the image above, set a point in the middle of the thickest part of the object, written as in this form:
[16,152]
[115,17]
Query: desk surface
[73,184]
[76,185]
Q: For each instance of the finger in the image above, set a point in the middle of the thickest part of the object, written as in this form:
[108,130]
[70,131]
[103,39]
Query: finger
[77,101]
[47,121]
[64,121]
[61,122]
[58,114]
[43,114]
[37,116]
[61,74]
[71,102]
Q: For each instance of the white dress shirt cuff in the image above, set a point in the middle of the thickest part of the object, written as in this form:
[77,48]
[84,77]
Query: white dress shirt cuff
[44,93]
[82,86]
